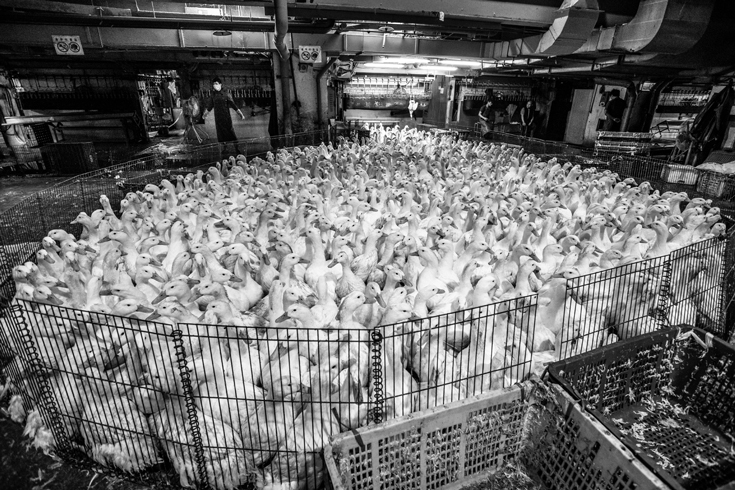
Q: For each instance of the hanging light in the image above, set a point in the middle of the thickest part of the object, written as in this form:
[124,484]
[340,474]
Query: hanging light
[222,33]
[387,66]
[473,64]
[407,61]
[438,68]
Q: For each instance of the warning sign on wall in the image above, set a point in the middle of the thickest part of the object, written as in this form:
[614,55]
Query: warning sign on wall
[310,54]
[68,45]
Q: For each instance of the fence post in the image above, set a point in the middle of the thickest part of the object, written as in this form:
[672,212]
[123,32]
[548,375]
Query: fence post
[377,338]
[662,312]
[38,377]
[727,329]
[191,410]
[84,197]
[41,214]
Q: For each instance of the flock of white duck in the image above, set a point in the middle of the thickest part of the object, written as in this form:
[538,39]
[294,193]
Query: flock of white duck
[297,259]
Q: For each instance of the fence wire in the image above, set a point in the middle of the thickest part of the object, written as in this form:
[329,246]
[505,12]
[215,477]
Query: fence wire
[223,406]
[613,304]
[24,225]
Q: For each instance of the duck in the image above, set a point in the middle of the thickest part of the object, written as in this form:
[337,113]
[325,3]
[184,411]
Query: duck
[349,282]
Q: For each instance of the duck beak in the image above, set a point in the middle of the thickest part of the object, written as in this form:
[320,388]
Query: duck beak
[332,264]
[158,298]
[380,301]
[271,248]
[219,224]
[89,249]
[156,277]
[61,284]
[153,316]
[54,301]
[235,279]
[282,318]
[105,292]
[49,259]
[104,240]
[534,257]
[303,261]
[414,254]
[156,262]
[440,291]
[192,282]
[144,309]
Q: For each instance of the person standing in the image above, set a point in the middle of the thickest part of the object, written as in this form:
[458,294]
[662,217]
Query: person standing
[412,106]
[221,102]
[487,116]
[528,117]
[614,111]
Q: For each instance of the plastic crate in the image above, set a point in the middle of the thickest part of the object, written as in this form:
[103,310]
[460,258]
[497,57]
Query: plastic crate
[68,157]
[669,397]
[716,185]
[532,426]
[679,174]
[639,168]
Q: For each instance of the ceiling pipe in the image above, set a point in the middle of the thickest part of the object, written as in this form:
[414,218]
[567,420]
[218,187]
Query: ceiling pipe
[170,21]
[285,65]
[323,71]
[281,27]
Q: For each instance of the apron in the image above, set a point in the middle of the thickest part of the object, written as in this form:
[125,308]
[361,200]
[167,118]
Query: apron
[221,103]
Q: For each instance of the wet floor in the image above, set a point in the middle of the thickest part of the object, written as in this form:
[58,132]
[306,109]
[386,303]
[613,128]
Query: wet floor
[13,189]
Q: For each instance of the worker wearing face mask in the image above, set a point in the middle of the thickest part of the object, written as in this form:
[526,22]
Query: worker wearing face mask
[221,102]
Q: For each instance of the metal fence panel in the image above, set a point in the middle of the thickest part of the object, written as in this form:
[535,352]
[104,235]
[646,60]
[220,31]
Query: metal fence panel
[696,290]
[623,301]
[440,359]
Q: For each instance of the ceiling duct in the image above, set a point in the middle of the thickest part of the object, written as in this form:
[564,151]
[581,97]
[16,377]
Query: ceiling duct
[659,26]
[572,25]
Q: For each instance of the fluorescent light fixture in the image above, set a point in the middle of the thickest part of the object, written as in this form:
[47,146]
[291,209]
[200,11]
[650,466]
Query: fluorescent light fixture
[461,63]
[407,61]
[221,33]
[438,68]
[387,66]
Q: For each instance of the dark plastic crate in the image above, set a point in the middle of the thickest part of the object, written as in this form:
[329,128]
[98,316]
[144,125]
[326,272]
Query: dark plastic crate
[669,397]
[70,157]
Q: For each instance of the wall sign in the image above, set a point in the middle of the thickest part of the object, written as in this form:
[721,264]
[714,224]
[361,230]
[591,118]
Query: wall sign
[68,45]
[310,54]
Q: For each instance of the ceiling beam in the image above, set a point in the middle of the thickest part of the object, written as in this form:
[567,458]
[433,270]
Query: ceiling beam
[134,38]
[133,22]
[531,13]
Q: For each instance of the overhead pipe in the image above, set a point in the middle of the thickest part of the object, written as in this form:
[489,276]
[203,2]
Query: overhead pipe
[285,65]
[146,20]
[323,71]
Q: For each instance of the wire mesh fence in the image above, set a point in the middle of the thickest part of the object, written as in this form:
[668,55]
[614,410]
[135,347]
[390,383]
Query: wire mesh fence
[24,225]
[618,303]
[696,288]
[445,358]
[223,406]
